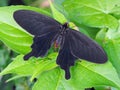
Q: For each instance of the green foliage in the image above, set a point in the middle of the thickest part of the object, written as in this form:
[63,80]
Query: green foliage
[98,19]
[84,74]
[57,15]
[95,13]
[32,67]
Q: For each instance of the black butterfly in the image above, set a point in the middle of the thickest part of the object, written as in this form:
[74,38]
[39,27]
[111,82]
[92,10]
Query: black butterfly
[73,44]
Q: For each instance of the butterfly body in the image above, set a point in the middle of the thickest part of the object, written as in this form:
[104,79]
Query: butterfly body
[73,44]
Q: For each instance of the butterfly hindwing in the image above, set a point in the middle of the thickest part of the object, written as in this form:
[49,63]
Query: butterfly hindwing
[65,58]
[41,44]
[33,22]
[85,48]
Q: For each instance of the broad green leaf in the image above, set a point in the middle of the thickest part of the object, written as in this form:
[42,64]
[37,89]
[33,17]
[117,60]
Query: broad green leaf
[116,10]
[58,5]
[60,17]
[6,14]
[112,47]
[89,31]
[11,33]
[58,2]
[20,67]
[101,36]
[83,75]
[33,67]
[86,30]
[103,88]
[53,80]
[95,13]
[15,77]
[57,15]
[110,40]
[45,65]
[15,39]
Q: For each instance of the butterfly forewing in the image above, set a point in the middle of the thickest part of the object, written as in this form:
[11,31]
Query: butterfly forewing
[34,22]
[44,29]
[85,48]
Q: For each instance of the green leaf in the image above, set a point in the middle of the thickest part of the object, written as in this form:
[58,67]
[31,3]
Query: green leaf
[58,2]
[116,10]
[45,65]
[15,77]
[11,33]
[110,40]
[53,80]
[60,17]
[101,36]
[93,13]
[6,14]
[33,67]
[58,5]
[20,67]
[15,39]
[112,47]
[89,31]
[83,75]
[57,15]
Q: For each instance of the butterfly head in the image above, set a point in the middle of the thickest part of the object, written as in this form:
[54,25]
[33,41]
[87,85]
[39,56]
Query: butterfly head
[65,25]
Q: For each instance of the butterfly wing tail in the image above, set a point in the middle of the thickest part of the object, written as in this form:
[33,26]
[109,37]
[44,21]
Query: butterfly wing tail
[65,60]
[27,56]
